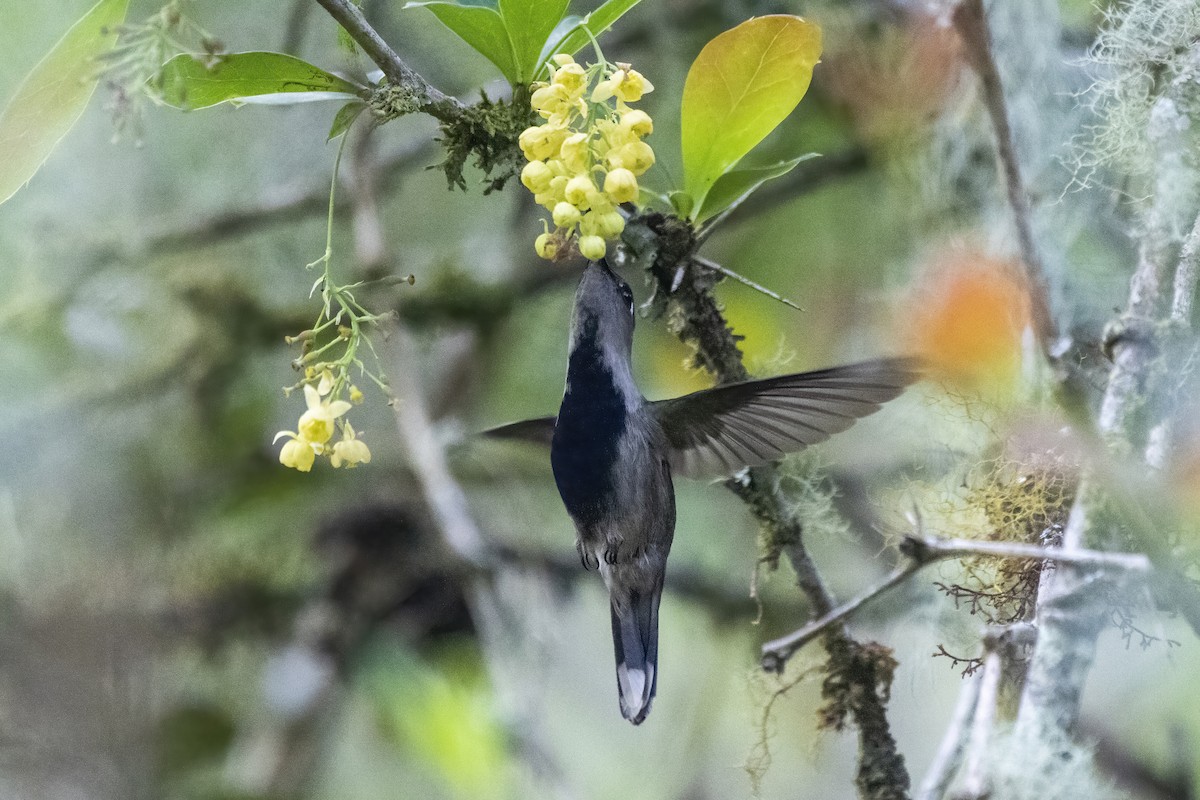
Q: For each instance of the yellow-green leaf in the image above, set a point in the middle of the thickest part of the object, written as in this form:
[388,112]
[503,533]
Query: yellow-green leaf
[256,77]
[529,24]
[737,184]
[741,86]
[54,94]
[344,118]
[480,26]
[571,38]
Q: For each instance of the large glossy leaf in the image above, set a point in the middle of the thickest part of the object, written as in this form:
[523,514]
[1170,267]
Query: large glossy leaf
[480,26]
[737,184]
[594,23]
[529,24]
[54,95]
[740,87]
[255,77]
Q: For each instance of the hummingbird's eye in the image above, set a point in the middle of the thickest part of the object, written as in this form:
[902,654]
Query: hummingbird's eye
[627,295]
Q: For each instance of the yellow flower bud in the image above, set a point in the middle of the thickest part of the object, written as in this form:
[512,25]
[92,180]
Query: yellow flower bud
[536,176]
[621,185]
[592,247]
[554,194]
[570,76]
[637,157]
[562,59]
[547,246]
[356,395]
[541,142]
[637,122]
[565,215]
[297,454]
[574,152]
[609,225]
[579,190]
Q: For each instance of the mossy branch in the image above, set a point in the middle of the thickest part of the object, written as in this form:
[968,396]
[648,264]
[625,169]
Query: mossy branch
[858,676]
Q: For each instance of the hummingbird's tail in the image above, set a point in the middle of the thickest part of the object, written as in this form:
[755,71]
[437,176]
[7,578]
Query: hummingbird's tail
[635,640]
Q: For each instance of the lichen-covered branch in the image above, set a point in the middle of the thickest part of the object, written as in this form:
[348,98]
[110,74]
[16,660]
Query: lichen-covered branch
[1070,614]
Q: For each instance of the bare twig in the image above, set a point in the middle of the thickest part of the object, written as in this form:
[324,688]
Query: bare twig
[776,652]
[921,552]
[970,20]
[1185,278]
[975,778]
[428,98]
[1159,441]
[746,281]
[954,742]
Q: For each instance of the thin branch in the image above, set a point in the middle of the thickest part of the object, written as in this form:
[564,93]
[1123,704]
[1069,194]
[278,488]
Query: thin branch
[954,742]
[1185,278]
[758,287]
[921,552]
[776,652]
[976,783]
[970,20]
[429,99]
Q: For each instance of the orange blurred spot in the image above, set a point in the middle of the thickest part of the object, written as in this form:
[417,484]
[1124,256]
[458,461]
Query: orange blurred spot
[1184,477]
[967,316]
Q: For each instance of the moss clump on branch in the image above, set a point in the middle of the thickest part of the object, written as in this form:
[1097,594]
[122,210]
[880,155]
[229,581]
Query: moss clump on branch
[390,101]
[488,132]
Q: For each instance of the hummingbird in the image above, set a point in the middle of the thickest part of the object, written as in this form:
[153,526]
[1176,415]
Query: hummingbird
[614,455]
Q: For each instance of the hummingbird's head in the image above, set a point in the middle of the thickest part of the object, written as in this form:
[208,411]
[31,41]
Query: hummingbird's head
[604,311]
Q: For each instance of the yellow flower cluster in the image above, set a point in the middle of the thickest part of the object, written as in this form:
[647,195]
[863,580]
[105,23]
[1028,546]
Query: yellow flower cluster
[316,428]
[585,159]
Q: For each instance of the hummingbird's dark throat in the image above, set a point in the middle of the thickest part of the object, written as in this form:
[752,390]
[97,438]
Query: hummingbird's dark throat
[588,431]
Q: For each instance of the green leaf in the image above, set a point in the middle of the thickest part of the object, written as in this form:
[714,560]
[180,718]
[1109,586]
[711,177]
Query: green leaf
[682,202]
[482,27]
[529,24]
[596,23]
[54,94]
[344,118]
[741,86]
[737,184]
[255,77]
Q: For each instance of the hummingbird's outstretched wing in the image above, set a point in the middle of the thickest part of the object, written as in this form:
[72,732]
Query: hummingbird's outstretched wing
[716,432]
[536,431]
